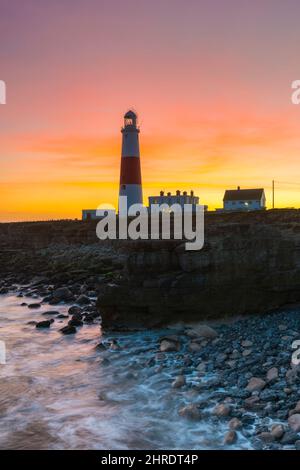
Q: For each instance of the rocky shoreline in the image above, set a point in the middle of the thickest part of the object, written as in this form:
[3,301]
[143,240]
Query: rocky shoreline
[238,373]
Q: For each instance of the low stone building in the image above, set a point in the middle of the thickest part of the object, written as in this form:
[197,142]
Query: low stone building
[179,198]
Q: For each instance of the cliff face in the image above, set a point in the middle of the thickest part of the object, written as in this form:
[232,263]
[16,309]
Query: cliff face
[250,263]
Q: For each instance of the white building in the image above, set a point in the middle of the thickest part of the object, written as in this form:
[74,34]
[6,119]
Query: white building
[178,198]
[244,199]
[89,214]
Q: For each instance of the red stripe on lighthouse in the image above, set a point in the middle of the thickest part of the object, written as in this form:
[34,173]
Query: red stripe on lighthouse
[130,171]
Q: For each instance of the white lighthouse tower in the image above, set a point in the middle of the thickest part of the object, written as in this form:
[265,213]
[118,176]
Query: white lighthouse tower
[130,176]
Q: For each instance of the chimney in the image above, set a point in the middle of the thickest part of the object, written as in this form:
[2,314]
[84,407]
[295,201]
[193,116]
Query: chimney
[238,188]
[161,193]
[168,194]
[192,193]
[184,193]
[177,192]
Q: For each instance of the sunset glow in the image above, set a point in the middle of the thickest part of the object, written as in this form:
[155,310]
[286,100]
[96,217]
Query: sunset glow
[215,112]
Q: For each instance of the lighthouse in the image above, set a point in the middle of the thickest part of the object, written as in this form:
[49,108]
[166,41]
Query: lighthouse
[130,177]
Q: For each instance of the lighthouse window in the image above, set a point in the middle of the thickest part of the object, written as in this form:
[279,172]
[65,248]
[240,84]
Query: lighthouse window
[128,122]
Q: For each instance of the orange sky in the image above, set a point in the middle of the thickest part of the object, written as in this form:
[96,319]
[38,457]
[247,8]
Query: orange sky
[211,85]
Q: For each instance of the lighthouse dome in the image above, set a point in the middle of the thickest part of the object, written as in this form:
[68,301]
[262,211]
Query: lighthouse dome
[130,119]
[130,114]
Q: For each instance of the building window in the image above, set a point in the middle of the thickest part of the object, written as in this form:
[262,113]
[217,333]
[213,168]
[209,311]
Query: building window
[123,186]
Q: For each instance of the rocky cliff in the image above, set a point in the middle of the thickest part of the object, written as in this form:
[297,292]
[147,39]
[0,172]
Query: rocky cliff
[250,263]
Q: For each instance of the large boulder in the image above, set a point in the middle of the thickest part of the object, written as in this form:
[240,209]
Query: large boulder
[202,331]
[62,294]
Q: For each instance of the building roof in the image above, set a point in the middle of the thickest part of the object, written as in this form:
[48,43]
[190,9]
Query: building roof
[243,194]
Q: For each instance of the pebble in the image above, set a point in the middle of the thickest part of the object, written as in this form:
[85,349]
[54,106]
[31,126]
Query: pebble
[277,431]
[255,384]
[179,382]
[221,410]
[235,423]
[266,437]
[246,343]
[230,437]
[190,411]
[204,331]
[294,422]
[272,374]
[169,346]
[44,324]
[68,330]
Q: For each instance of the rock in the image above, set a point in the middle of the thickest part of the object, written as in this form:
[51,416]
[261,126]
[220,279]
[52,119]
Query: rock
[83,300]
[231,364]
[44,324]
[169,346]
[4,290]
[114,345]
[252,403]
[36,305]
[187,361]
[194,346]
[230,437]
[62,293]
[297,408]
[221,410]
[101,347]
[235,354]
[75,322]
[246,352]
[282,327]
[292,374]
[255,384]
[190,411]
[272,374]
[179,382]
[88,319]
[204,331]
[51,312]
[201,367]
[31,322]
[289,438]
[235,423]
[92,293]
[297,445]
[61,316]
[68,330]
[246,343]
[277,431]
[266,437]
[294,422]
[74,310]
